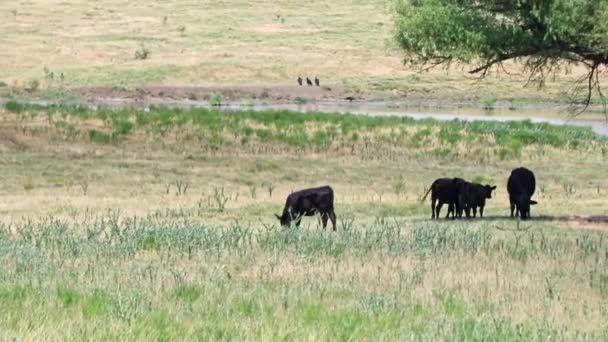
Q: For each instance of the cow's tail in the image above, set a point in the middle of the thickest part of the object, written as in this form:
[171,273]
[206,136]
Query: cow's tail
[427,192]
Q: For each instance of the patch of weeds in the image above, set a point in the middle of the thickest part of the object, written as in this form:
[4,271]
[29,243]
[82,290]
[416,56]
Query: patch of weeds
[300,100]
[28,185]
[96,304]
[33,86]
[215,99]
[142,53]
[488,102]
[149,241]
[188,293]
[67,296]
[15,294]
[122,127]
[99,137]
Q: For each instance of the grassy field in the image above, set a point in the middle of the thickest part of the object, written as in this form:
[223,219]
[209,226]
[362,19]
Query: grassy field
[50,47]
[159,224]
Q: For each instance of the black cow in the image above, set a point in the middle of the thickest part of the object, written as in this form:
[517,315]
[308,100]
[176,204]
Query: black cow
[308,81]
[473,196]
[309,202]
[299,80]
[446,190]
[316,81]
[521,186]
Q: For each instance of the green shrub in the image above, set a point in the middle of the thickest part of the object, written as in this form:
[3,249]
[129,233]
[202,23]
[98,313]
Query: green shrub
[488,102]
[99,137]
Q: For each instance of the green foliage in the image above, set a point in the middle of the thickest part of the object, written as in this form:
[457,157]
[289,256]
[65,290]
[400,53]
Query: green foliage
[67,296]
[488,29]
[99,137]
[14,106]
[188,293]
[294,131]
[488,102]
[488,32]
[96,304]
[216,99]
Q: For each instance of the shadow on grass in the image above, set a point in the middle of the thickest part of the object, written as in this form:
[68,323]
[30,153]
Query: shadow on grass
[598,219]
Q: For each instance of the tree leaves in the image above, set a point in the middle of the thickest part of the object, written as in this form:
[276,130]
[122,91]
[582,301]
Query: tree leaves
[489,32]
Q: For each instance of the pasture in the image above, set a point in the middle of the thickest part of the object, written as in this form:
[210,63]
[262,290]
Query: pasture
[159,224]
[55,48]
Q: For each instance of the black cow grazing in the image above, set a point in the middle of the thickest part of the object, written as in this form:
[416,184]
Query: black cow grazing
[521,186]
[309,202]
[446,190]
[308,81]
[316,81]
[473,196]
[299,80]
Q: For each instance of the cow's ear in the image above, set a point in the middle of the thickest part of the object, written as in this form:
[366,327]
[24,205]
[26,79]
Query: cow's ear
[533,202]
[279,217]
[494,187]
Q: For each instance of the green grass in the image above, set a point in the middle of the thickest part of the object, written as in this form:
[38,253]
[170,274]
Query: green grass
[321,131]
[96,238]
[386,280]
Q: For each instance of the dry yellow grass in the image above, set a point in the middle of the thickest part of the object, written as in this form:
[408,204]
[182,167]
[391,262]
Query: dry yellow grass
[175,267]
[229,43]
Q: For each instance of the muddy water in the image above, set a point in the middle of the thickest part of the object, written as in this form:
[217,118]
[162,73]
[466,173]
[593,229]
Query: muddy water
[597,122]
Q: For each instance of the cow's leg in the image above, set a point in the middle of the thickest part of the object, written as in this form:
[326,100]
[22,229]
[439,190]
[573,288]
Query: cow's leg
[474,211]
[324,217]
[433,200]
[332,217]
[438,208]
[451,209]
[512,207]
[481,211]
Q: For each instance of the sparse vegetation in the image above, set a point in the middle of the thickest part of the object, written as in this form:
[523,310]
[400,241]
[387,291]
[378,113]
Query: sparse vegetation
[488,102]
[142,53]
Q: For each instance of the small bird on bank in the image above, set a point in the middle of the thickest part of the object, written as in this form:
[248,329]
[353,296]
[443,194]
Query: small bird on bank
[299,80]
[308,81]
[316,81]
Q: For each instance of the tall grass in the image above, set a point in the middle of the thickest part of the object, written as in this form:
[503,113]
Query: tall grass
[148,277]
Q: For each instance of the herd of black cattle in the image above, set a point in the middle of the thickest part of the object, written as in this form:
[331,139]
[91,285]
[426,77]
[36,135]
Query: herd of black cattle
[460,195]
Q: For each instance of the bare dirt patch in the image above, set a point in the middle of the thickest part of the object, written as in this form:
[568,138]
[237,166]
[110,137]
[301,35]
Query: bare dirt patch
[275,93]
[584,221]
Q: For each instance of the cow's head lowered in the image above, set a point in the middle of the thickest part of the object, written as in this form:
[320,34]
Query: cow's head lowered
[523,206]
[284,219]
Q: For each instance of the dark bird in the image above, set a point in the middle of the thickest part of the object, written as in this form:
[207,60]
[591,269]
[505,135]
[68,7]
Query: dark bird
[308,81]
[299,80]
[316,81]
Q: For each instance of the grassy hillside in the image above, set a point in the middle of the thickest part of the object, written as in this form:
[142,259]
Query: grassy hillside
[51,46]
